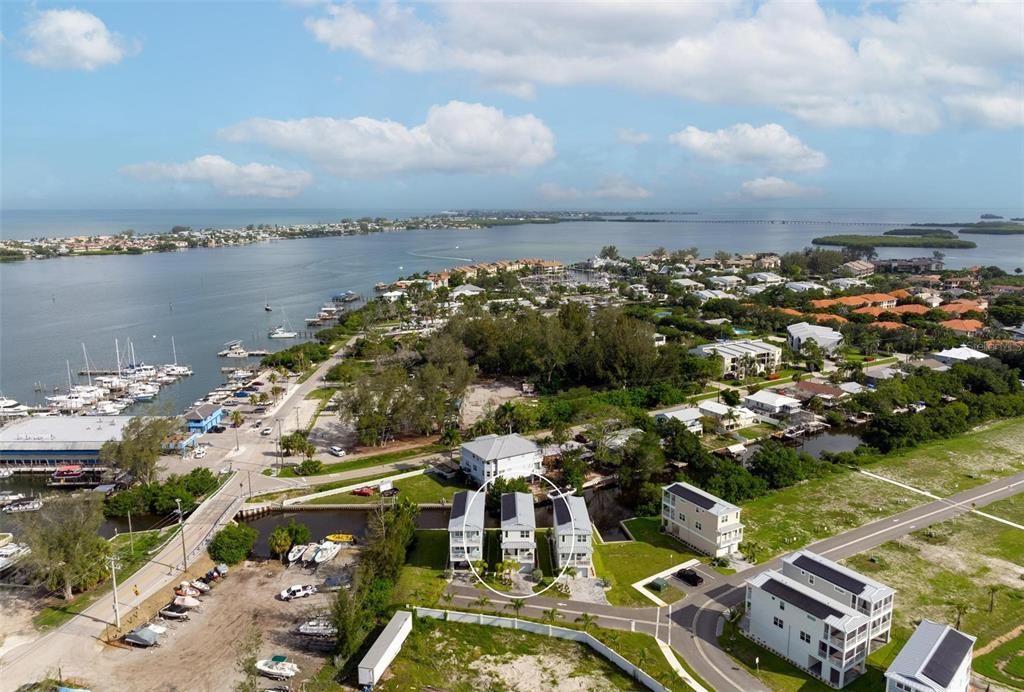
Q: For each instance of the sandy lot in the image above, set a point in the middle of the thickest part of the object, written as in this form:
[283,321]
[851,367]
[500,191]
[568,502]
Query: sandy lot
[485,397]
[542,672]
[16,619]
[200,654]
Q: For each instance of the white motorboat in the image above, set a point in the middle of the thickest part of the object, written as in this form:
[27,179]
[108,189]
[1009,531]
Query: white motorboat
[174,612]
[202,586]
[186,602]
[9,408]
[296,552]
[278,668]
[11,553]
[186,589]
[328,550]
[282,333]
[23,506]
[318,627]
[9,496]
[6,473]
[309,552]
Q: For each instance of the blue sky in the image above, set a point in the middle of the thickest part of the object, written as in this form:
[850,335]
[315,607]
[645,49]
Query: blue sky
[582,105]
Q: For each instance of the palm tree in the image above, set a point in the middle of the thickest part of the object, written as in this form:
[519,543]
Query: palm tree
[992,589]
[276,392]
[515,605]
[236,419]
[586,621]
[551,617]
[571,572]
[960,608]
[273,378]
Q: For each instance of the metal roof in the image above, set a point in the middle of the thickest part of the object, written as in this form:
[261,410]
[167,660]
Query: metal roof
[61,432]
[837,575]
[467,511]
[493,447]
[571,511]
[932,655]
[829,574]
[391,632]
[701,499]
[517,512]
[815,606]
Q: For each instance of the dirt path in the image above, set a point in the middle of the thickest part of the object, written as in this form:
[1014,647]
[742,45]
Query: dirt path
[1012,634]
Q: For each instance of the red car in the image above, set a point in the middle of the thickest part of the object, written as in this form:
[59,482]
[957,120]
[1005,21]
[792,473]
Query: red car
[365,492]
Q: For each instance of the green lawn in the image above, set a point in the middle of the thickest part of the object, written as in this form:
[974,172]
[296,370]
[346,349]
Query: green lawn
[625,563]
[426,488]
[1004,664]
[368,462]
[465,658]
[134,552]
[285,494]
[322,393]
[716,441]
[544,557]
[422,578]
[781,675]
[756,431]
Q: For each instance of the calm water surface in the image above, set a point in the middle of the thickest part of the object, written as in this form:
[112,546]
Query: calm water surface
[204,298]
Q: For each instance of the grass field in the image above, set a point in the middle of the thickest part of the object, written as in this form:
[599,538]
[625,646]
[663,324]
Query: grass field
[426,488]
[366,462]
[793,517]
[463,657]
[1004,664]
[625,563]
[756,431]
[422,578]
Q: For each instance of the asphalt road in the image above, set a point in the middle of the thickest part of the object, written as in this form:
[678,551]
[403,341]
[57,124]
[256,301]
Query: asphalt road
[693,632]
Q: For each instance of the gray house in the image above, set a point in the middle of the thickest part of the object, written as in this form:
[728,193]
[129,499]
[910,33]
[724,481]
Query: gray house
[518,529]
[936,658]
[466,528]
[572,535]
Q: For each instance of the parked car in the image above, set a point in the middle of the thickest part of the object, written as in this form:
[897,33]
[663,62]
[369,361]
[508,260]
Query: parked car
[365,492]
[390,492]
[199,453]
[337,451]
[690,577]
[297,591]
[218,428]
[266,432]
[260,409]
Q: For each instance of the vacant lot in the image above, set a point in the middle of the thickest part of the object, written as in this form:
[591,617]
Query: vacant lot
[462,657]
[627,562]
[422,578]
[427,488]
[485,397]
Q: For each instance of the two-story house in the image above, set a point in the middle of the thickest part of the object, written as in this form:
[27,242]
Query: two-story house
[572,534]
[466,528]
[518,529]
[743,358]
[771,403]
[865,595]
[727,418]
[701,520]
[690,416]
[814,632]
[508,456]
[936,658]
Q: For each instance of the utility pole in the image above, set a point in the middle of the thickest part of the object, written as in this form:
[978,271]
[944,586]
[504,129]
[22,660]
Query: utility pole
[131,539]
[113,577]
[249,473]
[181,529]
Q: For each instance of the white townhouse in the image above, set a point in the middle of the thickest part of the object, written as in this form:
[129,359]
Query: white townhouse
[936,658]
[689,416]
[518,529]
[727,417]
[814,632]
[572,535]
[713,294]
[828,340]
[727,282]
[466,528]
[743,358]
[701,520]
[771,403]
[868,597]
[805,286]
[765,278]
[509,456]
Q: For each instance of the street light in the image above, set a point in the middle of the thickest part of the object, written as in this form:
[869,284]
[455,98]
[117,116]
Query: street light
[181,529]
[113,577]
[280,452]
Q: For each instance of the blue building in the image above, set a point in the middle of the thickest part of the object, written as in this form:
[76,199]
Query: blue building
[204,418]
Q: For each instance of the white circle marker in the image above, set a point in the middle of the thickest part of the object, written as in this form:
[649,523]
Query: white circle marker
[572,551]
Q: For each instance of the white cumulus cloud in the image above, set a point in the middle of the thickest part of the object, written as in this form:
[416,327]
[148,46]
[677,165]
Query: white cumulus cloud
[73,39]
[769,146]
[893,68]
[456,137]
[610,189]
[227,177]
[774,188]
[630,136]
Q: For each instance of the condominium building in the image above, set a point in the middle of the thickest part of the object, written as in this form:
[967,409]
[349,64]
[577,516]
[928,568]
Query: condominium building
[572,534]
[936,658]
[700,520]
[466,528]
[518,529]
[508,456]
[743,358]
[865,595]
[816,633]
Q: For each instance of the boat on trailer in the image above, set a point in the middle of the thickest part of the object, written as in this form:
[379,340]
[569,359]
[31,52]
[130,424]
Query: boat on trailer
[277,668]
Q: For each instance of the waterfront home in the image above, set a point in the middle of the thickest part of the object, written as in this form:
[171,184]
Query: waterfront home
[805,391]
[571,536]
[817,633]
[392,296]
[518,530]
[916,265]
[700,520]
[508,456]
[828,340]
[466,528]
[203,419]
[865,595]
[743,358]
[690,416]
[727,418]
[771,403]
[936,658]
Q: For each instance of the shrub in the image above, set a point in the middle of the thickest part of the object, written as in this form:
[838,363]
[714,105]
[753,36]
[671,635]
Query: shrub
[309,467]
[233,544]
